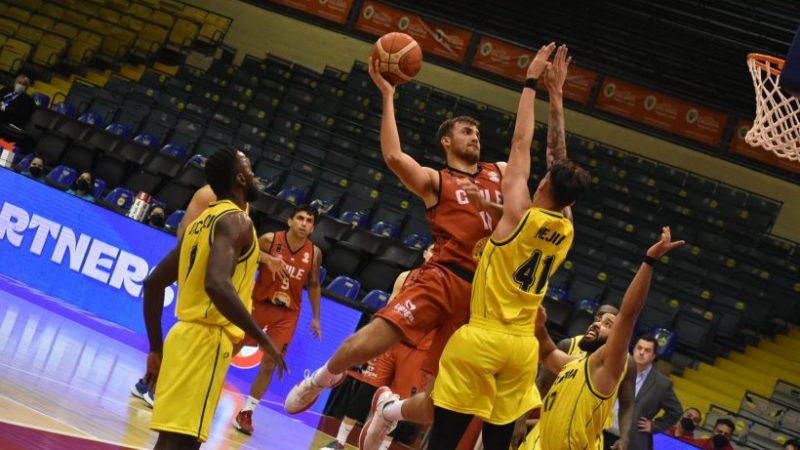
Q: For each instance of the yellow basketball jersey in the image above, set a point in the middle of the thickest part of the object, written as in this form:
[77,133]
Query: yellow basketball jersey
[512,275]
[574,414]
[194,305]
[574,346]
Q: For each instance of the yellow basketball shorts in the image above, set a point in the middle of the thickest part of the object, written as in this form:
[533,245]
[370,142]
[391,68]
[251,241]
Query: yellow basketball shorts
[196,358]
[534,442]
[488,372]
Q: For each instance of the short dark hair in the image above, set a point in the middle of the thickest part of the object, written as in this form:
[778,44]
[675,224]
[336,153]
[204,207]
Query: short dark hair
[649,338]
[568,181]
[306,209]
[793,442]
[724,421]
[221,170]
[446,128]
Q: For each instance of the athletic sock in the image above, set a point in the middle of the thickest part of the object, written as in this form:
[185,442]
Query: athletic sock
[251,403]
[344,432]
[323,377]
[393,411]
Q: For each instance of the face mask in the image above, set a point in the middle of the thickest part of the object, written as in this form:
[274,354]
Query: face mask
[719,441]
[36,172]
[687,424]
[157,220]
[83,185]
[19,88]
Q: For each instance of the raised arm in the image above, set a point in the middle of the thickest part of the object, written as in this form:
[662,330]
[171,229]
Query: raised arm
[554,78]
[315,293]
[420,180]
[232,235]
[545,378]
[516,196]
[609,361]
[550,356]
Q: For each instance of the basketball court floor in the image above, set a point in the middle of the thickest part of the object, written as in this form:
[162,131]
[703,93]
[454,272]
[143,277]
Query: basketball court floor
[66,385]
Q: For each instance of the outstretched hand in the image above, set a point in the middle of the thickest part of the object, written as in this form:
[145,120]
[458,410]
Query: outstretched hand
[663,246]
[556,73]
[386,88]
[539,62]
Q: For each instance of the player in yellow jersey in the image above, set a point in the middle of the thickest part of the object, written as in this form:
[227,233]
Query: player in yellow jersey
[214,264]
[576,409]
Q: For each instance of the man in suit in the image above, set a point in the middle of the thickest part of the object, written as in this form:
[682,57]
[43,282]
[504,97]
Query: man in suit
[654,392]
[16,106]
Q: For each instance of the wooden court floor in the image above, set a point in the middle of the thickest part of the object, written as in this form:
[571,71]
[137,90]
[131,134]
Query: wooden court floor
[64,385]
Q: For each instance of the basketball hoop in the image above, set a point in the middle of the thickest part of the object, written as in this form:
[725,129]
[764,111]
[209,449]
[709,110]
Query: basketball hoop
[776,126]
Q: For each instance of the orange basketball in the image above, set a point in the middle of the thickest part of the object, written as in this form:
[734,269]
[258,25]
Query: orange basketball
[400,57]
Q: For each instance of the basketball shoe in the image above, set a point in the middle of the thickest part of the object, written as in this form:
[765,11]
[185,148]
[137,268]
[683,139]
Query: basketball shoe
[305,393]
[377,427]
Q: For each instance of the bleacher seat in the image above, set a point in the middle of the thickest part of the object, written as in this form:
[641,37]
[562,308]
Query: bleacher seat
[376,299]
[344,287]
[62,177]
[174,219]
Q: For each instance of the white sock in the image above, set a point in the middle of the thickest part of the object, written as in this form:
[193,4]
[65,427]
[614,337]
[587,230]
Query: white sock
[323,377]
[387,442]
[393,411]
[344,432]
[251,403]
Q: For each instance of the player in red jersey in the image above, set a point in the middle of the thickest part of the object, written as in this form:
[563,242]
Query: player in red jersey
[276,300]
[463,203]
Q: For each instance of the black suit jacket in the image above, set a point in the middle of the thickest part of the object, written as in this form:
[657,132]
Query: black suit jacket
[657,393]
[19,110]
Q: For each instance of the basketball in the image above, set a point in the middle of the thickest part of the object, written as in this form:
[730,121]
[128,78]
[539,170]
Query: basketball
[400,57]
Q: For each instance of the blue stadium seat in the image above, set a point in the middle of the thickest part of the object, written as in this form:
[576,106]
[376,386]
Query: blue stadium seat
[65,109]
[356,218]
[91,119]
[120,198]
[376,299]
[322,206]
[146,139]
[293,195]
[387,229]
[25,162]
[666,342]
[99,188]
[323,272]
[175,150]
[41,100]
[62,177]
[417,241]
[119,129]
[174,220]
[344,287]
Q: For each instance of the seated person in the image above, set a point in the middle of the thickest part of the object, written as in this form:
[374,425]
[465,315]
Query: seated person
[156,217]
[16,106]
[792,444]
[83,187]
[721,439]
[36,169]
[684,429]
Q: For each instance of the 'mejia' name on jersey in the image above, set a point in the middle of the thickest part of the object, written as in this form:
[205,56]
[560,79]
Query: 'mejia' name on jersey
[568,375]
[548,235]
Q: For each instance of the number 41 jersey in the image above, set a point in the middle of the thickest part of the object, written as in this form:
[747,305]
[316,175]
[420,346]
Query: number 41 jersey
[512,275]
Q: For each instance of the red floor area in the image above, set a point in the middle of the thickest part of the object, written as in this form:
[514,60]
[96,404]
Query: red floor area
[13,437]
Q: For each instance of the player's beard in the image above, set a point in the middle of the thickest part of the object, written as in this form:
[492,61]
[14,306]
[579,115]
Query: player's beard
[469,155]
[591,345]
[252,192]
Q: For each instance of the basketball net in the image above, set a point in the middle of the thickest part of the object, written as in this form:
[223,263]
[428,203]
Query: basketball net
[776,126]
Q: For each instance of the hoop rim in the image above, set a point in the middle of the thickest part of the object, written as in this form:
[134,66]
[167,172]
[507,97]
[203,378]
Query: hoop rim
[766,63]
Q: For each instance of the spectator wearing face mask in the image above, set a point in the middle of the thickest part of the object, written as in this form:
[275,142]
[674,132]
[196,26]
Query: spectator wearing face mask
[684,429]
[16,106]
[721,439]
[156,217]
[83,187]
[36,169]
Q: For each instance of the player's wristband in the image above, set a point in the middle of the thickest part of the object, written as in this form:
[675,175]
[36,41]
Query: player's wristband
[649,260]
[531,83]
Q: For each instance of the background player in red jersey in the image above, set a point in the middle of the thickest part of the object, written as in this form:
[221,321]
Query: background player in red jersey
[276,300]
[436,296]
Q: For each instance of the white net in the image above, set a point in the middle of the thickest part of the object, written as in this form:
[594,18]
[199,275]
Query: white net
[776,127]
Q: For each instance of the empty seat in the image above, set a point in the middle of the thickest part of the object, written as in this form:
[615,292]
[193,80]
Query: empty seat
[344,287]
[376,299]
[380,273]
[175,196]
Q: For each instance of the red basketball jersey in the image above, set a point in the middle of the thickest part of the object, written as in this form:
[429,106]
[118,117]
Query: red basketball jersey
[459,228]
[289,291]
